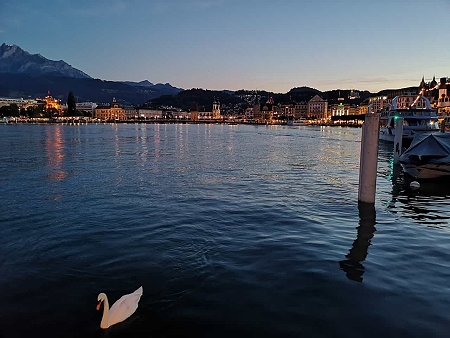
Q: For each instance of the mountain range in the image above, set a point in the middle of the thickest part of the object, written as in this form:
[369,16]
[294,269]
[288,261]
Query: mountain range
[14,59]
[31,75]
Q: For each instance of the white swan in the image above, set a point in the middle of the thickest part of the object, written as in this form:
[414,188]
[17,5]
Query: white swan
[121,309]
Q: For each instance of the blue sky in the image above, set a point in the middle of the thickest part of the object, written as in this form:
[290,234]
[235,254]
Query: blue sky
[239,44]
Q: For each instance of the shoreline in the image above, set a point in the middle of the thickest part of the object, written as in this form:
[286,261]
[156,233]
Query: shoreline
[172,121]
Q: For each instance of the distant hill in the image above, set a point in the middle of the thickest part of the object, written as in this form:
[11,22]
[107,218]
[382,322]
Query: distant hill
[145,83]
[241,99]
[202,97]
[31,75]
[95,90]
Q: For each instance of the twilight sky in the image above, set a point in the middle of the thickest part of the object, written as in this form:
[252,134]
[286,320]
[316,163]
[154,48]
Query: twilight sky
[239,44]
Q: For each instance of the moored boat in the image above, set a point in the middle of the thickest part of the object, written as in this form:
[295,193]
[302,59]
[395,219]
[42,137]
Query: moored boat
[428,156]
[300,122]
[415,120]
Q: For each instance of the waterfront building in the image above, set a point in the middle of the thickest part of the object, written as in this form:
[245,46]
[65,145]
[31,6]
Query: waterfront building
[353,109]
[378,103]
[149,114]
[363,107]
[194,112]
[300,110]
[216,110]
[318,108]
[249,114]
[286,110]
[196,115]
[267,112]
[152,114]
[339,109]
[181,114]
[406,101]
[52,103]
[443,102]
[344,111]
[20,102]
[112,111]
[257,113]
[130,112]
[86,107]
[214,114]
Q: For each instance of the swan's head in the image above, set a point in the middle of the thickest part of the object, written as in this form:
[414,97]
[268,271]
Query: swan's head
[101,297]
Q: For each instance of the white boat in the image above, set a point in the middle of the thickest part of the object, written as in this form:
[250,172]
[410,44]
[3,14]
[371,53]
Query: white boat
[415,120]
[428,156]
[300,122]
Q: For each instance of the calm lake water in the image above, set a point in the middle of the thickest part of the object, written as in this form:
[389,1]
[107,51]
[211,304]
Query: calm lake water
[231,230]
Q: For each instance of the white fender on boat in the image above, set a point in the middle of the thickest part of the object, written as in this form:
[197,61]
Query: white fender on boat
[414,185]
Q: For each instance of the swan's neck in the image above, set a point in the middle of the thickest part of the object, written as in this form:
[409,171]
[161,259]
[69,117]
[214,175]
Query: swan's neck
[104,323]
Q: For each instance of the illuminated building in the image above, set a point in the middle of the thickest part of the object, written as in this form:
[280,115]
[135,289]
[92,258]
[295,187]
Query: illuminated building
[196,114]
[194,111]
[52,103]
[112,111]
[443,103]
[20,102]
[86,107]
[317,108]
[378,103]
[300,110]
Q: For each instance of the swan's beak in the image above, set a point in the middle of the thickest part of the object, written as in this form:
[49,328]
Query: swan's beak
[98,305]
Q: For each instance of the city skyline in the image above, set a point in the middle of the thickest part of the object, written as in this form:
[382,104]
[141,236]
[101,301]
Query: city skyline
[228,44]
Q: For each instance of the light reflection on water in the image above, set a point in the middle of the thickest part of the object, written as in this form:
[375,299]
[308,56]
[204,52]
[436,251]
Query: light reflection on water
[231,230]
[54,145]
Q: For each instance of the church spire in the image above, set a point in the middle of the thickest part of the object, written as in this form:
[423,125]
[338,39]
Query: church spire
[422,83]
[433,83]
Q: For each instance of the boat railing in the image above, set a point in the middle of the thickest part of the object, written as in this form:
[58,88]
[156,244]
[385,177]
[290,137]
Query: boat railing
[394,105]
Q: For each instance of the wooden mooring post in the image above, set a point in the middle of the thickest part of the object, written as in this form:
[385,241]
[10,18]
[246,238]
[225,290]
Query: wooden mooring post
[369,158]
[398,139]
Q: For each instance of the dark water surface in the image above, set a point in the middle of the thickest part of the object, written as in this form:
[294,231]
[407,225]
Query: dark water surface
[231,230]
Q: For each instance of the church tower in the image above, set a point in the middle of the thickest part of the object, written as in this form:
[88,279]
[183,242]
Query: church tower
[257,114]
[422,84]
[216,109]
[433,83]
[194,111]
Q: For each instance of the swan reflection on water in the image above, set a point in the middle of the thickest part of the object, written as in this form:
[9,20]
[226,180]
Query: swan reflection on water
[358,253]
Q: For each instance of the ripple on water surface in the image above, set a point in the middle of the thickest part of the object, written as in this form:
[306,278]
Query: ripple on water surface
[230,230]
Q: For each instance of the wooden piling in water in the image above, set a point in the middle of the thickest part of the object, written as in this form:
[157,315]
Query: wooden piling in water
[398,139]
[369,158]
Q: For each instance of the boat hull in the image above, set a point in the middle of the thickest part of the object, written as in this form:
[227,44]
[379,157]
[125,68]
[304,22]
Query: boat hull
[426,171]
[428,156]
[297,123]
[387,135]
